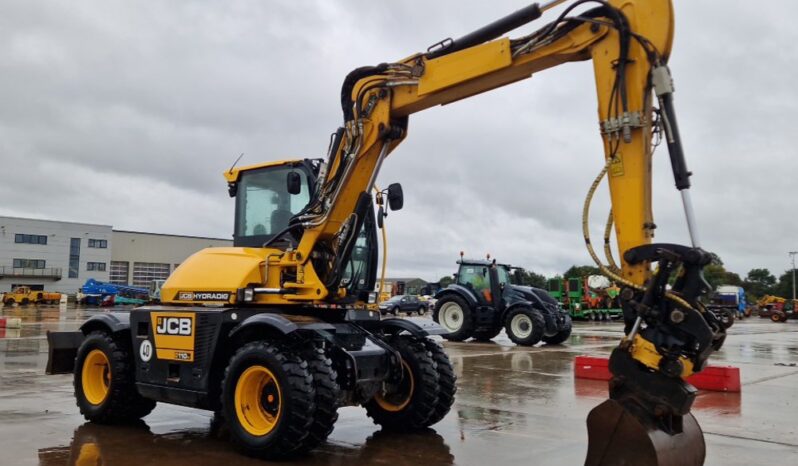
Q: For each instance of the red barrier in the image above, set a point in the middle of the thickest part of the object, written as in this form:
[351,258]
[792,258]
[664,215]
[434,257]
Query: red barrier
[10,322]
[714,378]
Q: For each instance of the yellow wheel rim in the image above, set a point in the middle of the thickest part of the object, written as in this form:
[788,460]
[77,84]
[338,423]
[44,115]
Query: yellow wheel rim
[258,400]
[96,377]
[395,398]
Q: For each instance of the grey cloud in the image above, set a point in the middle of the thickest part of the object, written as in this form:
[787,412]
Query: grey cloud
[142,107]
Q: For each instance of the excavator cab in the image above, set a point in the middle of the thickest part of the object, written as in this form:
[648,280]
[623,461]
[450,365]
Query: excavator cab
[269,195]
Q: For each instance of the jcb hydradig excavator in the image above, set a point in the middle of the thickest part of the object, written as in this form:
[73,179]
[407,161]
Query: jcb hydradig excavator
[275,333]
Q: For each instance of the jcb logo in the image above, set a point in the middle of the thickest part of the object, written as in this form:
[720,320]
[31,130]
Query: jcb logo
[173,326]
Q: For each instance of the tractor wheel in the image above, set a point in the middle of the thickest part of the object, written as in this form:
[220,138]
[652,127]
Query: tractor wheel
[268,401]
[778,316]
[562,335]
[328,392]
[486,335]
[409,403]
[525,326]
[104,381]
[454,314]
[447,382]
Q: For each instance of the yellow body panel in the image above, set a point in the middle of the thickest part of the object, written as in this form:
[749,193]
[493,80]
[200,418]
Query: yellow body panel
[174,335]
[451,70]
[215,270]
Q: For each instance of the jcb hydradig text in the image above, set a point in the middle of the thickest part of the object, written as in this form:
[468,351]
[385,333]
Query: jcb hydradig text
[276,334]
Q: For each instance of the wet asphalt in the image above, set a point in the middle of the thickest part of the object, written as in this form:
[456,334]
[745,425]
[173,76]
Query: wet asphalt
[514,406]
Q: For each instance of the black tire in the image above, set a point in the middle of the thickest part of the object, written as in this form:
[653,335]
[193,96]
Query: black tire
[24,302]
[447,382]
[9,302]
[416,410]
[395,311]
[328,394]
[422,310]
[486,335]
[560,337]
[518,333]
[297,403]
[466,328]
[122,403]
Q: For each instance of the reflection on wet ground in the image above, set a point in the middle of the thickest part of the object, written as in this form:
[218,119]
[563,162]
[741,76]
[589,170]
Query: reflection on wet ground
[514,406]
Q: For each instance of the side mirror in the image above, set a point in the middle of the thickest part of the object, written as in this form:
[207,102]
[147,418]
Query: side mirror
[380,217]
[396,198]
[294,182]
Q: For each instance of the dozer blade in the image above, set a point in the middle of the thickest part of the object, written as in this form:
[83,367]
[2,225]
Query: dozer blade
[617,436]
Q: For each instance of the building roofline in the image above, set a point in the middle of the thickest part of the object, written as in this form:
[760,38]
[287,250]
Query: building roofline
[55,221]
[172,235]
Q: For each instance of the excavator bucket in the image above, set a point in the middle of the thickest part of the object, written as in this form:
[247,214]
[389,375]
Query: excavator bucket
[619,437]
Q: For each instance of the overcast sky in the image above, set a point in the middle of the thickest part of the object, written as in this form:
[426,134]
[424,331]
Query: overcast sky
[126,113]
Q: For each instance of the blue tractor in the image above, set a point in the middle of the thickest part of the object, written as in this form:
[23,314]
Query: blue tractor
[483,300]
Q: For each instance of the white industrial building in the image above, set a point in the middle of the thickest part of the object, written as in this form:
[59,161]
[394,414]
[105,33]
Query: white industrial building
[61,256]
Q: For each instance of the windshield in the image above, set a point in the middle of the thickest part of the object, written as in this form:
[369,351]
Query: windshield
[504,275]
[263,204]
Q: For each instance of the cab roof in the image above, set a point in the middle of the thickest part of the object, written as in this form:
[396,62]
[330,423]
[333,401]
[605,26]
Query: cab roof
[232,175]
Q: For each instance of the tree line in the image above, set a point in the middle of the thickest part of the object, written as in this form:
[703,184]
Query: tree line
[758,282]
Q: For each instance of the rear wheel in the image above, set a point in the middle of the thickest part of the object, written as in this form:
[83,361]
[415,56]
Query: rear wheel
[525,326]
[9,302]
[105,382]
[454,315]
[268,400]
[409,403]
[24,301]
[421,310]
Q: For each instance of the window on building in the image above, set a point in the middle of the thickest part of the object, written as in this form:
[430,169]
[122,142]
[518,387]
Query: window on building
[30,239]
[98,243]
[119,272]
[74,257]
[95,266]
[29,264]
[146,272]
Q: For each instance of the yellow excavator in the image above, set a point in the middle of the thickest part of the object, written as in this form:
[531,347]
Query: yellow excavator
[276,332]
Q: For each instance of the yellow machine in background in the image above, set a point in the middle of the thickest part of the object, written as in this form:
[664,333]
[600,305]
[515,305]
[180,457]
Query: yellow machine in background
[278,326]
[25,295]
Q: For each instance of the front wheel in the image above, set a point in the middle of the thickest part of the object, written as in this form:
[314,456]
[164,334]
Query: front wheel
[562,335]
[268,400]
[525,326]
[454,315]
[105,382]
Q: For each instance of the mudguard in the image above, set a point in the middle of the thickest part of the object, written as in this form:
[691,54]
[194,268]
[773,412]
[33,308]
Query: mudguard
[458,290]
[281,323]
[418,327]
[113,321]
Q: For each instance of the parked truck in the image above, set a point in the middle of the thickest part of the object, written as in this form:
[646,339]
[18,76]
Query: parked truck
[728,302]
[24,295]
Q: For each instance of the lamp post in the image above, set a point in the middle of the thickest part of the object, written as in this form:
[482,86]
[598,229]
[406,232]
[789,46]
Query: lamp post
[792,255]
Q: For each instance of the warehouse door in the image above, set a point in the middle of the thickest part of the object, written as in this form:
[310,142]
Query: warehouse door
[145,272]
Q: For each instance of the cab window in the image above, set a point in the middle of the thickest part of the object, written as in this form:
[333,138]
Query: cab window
[476,276]
[263,204]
